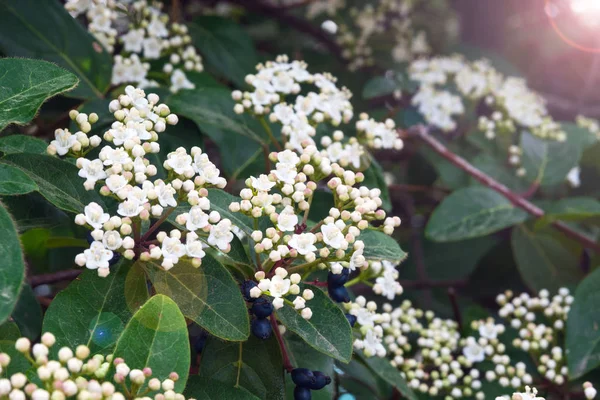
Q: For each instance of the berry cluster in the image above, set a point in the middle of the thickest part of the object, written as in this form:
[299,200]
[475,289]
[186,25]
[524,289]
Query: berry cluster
[307,380]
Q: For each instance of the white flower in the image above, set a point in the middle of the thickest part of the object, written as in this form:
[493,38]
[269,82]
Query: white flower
[116,182]
[194,249]
[279,286]
[372,344]
[95,215]
[63,142]
[112,240]
[172,249]
[180,81]
[262,183]
[91,170]
[196,219]
[573,177]
[357,260]
[130,207]
[97,256]
[152,48]
[474,352]
[133,39]
[221,235]
[387,285]
[329,26]
[304,243]
[165,194]
[286,173]
[488,330]
[333,236]
[288,157]
[157,28]
[180,162]
[287,220]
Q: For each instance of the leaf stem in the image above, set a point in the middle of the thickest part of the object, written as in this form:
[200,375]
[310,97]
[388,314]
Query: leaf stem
[267,128]
[239,365]
[155,226]
[284,353]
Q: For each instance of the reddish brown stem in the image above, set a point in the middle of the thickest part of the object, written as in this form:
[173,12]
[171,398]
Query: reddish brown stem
[317,283]
[422,133]
[43,279]
[284,353]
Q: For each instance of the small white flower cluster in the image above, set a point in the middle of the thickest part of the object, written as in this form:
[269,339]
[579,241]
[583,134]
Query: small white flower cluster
[386,279]
[274,85]
[590,124]
[77,143]
[75,375]
[540,322]
[146,35]
[358,35]
[123,170]
[284,197]
[512,104]
[529,394]
[279,286]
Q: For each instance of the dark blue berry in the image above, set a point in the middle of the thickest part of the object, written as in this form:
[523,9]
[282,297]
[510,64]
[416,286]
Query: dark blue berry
[89,238]
[339,294]
[352,319]
[262,308]
[200,342]
[303,377]
[302,393]
[246,287]
[338,279]
[321,380]
[261,328]
[115,258]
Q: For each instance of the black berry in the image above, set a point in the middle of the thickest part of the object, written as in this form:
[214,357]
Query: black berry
[261,328]
[246,287]
[303,377]
[338,279]
[302,393]
[262,308]
[321,380]
[115,258]
[351,318]
[339,294]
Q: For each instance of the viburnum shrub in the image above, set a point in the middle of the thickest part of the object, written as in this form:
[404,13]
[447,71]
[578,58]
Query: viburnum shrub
[287,199]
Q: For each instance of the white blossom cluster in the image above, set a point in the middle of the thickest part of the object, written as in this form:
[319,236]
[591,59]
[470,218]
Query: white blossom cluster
[279,92]
[511,103]
[367,24]
[123,172]
[74,374]
[279,286]
[528,394]
[143,33]
[591,124]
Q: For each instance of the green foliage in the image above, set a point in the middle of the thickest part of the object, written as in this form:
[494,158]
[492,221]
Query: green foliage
[52,34]
[27,314]
[212,389]
[472,212]
[583,333]
[26,84]
[327,331]
[379,246]
[382,368]
[13,265]
[207,295]
[22,144]
[156,337]
[13,181]
[94,311]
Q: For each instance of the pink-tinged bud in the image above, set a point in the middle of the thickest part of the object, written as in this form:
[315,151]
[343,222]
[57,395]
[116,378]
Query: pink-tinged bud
[118,361]
[174,376]
[118,378]
[147,371]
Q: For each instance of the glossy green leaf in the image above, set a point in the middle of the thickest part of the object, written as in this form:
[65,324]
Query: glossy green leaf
[157,337]
[498,170]
[93,310]
[9,331]
[13,266]
[472,212]
[544,258]
[18,362]
[382,368]
[27,314]
[57,180]
[225,46]
[220,201]
[379,246]
[211,389]
[49,33]
[374,179]
[13,181]
[328,330]
[379,86]
[583,328]
[22,144]
[26,84]
[207,295]
[570,209]
[255,365]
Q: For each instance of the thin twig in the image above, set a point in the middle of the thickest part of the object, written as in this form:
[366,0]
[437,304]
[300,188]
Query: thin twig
[53,277]
[455,307]
[155,226]
[284,353]
[422,133]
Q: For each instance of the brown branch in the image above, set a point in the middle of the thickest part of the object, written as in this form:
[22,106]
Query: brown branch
[455,307]
[43,279]
[284,354]
[422,133]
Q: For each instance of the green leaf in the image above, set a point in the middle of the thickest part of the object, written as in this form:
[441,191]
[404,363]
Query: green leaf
[307,357]
[18,362]
[26,84]
[382,368]
[13,181]
[238,137]
[379,246]
[57,180]
[548,162]
[497,169]
[379,86]
[583,328]
[93,310]
[207,295]
[570,209]
[13,266]
[328,331]
[225,46]
[28,314]
[255,364]
[211,389]
[374,179]
[9,331]
[22,144]
[472,212]
[157,337]
[544,259]
[49,33]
